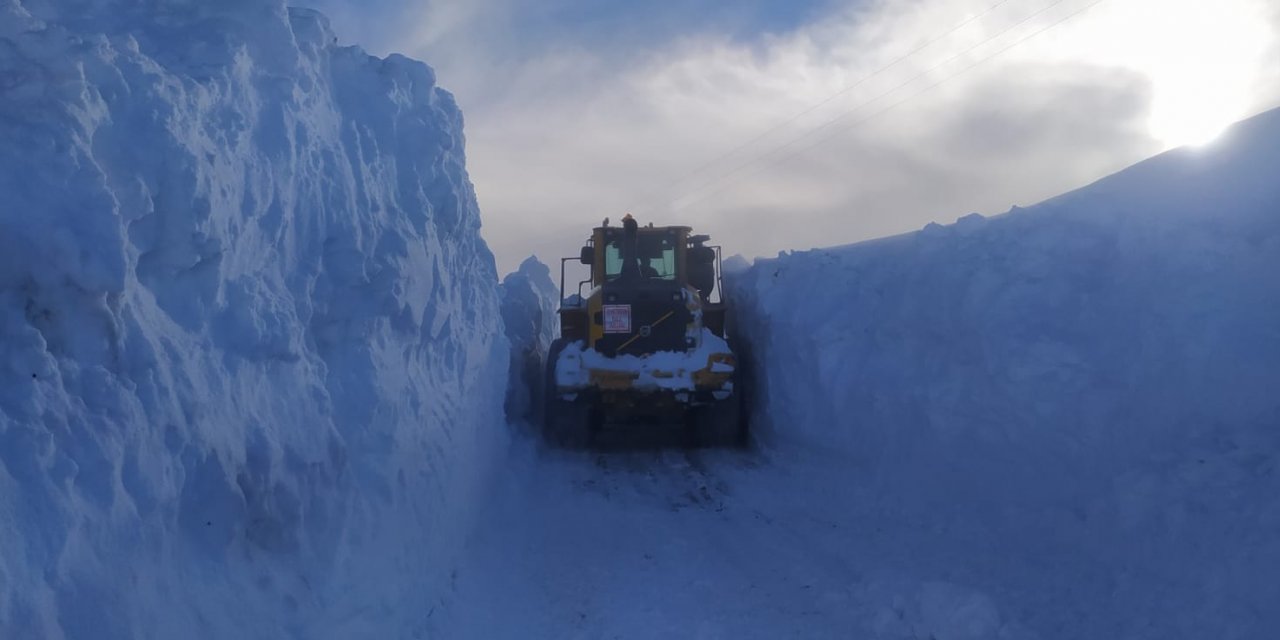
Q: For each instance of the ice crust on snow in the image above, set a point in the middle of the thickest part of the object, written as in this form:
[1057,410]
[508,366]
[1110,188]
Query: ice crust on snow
[1083,394]
[250,338]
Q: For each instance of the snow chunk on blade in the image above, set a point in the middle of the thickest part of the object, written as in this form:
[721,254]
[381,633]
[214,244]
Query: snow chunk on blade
[663,370]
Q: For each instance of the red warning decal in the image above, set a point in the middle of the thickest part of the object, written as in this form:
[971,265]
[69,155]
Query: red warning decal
[617,318]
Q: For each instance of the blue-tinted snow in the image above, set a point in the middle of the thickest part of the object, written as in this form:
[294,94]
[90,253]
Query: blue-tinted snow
[530,301]
[251,361]
[1073,408]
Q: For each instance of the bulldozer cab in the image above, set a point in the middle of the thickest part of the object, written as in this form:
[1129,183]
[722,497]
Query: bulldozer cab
[653,282]
[659,254]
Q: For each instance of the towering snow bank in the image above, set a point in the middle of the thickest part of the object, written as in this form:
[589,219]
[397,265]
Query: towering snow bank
[1150,299]
[1090,386]
[529,304]
[251,367]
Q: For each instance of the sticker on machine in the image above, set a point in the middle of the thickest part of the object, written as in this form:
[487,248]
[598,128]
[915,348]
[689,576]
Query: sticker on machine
[617,318]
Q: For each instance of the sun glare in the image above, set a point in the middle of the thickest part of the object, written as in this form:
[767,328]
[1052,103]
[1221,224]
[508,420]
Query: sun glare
[1201,58]
[1182,113]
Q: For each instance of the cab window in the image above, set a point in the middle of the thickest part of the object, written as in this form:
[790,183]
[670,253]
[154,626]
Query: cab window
[656,251]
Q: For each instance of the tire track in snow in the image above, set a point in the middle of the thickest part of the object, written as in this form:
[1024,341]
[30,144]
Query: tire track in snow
[680,479]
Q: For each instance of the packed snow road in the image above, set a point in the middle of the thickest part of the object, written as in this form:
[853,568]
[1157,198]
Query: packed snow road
[805,541]
[672,542]
[627,543]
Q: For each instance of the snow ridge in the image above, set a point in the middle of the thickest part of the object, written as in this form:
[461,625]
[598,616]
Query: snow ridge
[1081,395]
[250,337]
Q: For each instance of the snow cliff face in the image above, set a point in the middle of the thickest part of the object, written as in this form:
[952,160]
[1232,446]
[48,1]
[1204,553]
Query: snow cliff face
[1089,386]
[250,349]
[1148,299]
[530,301]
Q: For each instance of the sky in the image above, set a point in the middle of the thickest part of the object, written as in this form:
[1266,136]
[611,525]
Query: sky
[787,125]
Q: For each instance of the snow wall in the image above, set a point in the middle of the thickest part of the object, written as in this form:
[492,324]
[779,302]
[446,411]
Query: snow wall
[1092,383]
[251,356]
[530,305]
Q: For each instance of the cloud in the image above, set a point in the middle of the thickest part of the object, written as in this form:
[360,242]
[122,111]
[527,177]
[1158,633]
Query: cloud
[575,112]
[1267,89]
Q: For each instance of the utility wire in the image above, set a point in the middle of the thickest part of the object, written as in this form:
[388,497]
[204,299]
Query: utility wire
[730,153]
[830,123]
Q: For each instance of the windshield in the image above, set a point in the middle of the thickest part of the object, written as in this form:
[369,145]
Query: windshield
[657,253]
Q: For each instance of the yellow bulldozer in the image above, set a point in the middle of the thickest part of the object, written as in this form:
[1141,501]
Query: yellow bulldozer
[645,341]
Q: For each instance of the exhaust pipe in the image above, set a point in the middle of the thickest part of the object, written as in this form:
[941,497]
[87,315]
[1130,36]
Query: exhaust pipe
[630,249]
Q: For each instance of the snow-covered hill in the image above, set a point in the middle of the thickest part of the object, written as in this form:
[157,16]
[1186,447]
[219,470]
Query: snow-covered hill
[251,359]
[1074,406]
[1150,299]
